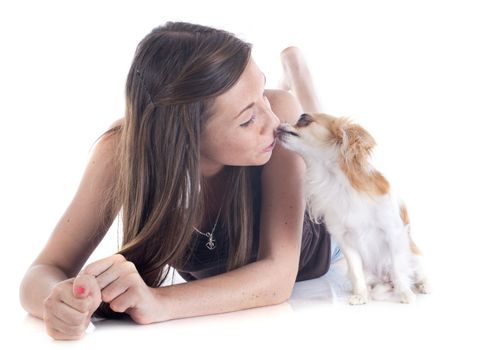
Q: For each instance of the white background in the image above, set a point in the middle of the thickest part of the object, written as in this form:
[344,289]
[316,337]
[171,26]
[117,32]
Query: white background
[417,74]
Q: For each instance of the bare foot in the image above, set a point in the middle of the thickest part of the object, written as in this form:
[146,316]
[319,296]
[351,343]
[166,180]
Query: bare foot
[297,79]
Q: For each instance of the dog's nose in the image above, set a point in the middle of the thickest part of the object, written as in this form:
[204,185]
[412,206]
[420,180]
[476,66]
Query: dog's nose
[283,130]
[279,131]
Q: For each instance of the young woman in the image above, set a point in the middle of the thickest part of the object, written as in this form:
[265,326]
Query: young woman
[200,185]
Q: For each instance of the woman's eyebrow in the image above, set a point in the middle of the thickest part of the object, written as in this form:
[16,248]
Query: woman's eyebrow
[244,109]
[252,103]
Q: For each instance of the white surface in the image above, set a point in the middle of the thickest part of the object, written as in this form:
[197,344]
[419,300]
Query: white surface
[316,315]
[417,75]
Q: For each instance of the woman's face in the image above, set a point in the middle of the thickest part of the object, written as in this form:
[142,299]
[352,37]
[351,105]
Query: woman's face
[242,127]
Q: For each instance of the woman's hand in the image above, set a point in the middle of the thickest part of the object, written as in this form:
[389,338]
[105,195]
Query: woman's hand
[69,307]
[123,288]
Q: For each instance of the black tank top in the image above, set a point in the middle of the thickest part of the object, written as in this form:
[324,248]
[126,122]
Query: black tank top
[314,256]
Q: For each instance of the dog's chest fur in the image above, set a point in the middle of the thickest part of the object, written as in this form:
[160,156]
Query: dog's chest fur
[370,224]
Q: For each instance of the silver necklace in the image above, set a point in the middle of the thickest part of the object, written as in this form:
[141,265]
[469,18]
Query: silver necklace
[211,243]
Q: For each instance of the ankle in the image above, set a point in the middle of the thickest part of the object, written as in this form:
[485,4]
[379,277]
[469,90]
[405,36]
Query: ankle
[293,61]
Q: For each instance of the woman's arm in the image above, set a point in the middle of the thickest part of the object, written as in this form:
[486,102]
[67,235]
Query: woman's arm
[77,233]
[267,281]
[270,279]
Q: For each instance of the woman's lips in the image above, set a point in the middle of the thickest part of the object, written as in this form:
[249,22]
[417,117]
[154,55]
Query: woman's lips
[270,147]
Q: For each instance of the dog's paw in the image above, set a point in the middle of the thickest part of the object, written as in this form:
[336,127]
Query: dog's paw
[423,287]
[357,299]
[407,297]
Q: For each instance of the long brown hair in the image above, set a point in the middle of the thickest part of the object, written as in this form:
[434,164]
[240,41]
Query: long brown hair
[177,71]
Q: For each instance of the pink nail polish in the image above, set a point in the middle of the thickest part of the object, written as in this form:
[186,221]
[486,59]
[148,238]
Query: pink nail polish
[80,290]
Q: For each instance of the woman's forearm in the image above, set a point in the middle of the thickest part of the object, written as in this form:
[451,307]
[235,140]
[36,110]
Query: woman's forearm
[253,285]
[37,285]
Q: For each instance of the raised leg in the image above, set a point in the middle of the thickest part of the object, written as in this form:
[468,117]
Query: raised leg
[298,79]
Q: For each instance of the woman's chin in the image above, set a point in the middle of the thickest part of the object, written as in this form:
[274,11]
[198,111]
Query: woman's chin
[261,159]
[264,158]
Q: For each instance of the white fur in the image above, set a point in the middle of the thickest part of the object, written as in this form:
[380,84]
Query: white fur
[368,228]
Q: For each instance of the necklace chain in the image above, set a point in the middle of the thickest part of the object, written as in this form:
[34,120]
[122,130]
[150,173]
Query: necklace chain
[211,243]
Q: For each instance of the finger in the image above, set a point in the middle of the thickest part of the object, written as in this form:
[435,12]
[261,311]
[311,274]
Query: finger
[118,287]
[115,272]
[58,329]
[85,286]
[70,315]
[79,304]
[63,293]
[121,304]
[58,335]
[123,301]
[98,267]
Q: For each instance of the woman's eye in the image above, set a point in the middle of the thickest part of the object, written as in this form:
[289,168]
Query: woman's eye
[248,122]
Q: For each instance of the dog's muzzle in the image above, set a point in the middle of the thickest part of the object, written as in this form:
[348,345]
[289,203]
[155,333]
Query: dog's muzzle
[283,130]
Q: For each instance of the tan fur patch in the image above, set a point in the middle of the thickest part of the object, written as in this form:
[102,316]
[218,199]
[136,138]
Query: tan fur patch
[414,248]
[356,145]
[333,124]
[405,219]
[373,183]
[404,215]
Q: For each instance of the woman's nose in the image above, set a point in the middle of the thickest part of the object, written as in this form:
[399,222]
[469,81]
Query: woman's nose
[275,119]
[271,121]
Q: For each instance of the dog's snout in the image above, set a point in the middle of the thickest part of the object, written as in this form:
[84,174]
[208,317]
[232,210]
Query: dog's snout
[284,129]
[279,131]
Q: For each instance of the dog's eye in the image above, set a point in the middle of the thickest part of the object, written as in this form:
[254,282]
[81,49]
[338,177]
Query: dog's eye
[305,119]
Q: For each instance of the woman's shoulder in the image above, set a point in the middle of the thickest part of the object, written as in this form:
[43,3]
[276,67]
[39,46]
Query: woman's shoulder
[108,141]
[104,152]
[117,123]
[112,132]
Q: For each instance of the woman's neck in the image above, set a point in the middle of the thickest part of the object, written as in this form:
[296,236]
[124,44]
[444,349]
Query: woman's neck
[210,169]
[213,184]
[213,192]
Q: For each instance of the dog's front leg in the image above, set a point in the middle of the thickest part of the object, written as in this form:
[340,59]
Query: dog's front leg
[356,274]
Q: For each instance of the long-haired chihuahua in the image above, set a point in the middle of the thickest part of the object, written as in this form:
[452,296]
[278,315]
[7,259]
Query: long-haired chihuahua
[367,221]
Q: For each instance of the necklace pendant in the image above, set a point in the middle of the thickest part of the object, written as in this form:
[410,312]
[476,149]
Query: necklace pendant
[211,244]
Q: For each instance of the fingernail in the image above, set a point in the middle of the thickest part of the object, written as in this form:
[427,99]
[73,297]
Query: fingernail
[80,290]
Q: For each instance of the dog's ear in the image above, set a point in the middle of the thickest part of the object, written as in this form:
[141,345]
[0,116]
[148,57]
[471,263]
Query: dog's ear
[357,143]
[354,162]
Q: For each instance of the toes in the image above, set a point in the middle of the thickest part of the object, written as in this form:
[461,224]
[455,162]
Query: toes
[407,297]
[357,299]
[423,288]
